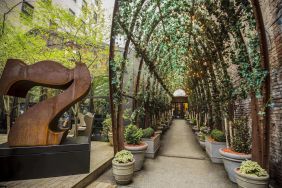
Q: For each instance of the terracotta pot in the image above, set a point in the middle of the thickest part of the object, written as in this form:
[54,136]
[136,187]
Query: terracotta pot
[153,145]
[110,136]
[212,149]
[123,172]
[232,161]
[249,181]
[138,152]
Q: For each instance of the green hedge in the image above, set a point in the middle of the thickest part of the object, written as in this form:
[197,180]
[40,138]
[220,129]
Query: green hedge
[218,135]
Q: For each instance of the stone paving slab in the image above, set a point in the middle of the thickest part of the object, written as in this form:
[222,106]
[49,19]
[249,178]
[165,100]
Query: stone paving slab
[181,163]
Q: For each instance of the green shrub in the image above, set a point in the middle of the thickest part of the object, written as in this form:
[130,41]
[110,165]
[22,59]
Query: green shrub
[193,121]
[148,133]
[205,130]
[133,134]
[107,125]
[252,168]
[241,139]
[218,135]
[123,156]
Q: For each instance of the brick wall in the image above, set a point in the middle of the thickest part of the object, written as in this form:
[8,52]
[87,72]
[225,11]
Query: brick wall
[272,15]
[272,12]
[242,108]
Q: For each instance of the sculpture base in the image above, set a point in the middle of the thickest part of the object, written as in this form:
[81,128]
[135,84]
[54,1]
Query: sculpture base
[19,163]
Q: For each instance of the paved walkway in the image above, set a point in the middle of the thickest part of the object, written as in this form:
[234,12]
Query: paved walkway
[181,163]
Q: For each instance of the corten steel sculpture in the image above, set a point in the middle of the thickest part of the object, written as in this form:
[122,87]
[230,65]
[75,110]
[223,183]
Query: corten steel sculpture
[38,125]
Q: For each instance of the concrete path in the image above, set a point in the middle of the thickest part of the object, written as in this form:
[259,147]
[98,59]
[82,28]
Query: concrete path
[181,163]
[179,141]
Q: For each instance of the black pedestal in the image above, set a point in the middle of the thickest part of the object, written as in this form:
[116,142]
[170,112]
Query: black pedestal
[71,157]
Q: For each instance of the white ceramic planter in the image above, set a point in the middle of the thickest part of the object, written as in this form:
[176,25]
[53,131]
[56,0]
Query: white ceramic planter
[232,161]
[212,149]
[248,181]
[138,152]
[195,129]
[202,144]
[153,145]
[123,173]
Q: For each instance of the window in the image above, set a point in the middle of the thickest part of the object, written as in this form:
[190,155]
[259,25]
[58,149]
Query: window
[27,9]
[72,12]
[74,1]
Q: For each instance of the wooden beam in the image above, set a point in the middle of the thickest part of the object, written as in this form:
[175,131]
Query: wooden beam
[266,84]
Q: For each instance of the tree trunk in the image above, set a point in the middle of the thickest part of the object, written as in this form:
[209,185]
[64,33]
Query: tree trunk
[112,85]
[256,133]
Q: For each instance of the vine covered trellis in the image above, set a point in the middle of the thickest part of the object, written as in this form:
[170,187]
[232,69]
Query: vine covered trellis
[215,50]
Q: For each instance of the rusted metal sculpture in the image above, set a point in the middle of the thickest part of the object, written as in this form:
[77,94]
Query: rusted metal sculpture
[38,125]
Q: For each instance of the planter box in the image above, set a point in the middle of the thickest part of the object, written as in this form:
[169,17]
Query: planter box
[165,126]
[232,161]
[212,149]
[138,152]
[195,129]
[201,142]
[153,145]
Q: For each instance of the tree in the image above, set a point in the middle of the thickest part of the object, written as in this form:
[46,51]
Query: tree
[53,33]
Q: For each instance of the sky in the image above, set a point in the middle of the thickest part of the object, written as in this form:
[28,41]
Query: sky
[108,5]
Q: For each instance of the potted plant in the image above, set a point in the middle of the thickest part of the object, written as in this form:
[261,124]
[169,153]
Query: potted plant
[107,129]
[240,148]
[195,127]
[160,127]
[193,121]
[153,141]
[251,175]
[123,167]
[204,130]
[165,125]
[213,143]
[133,137]
[202,140]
